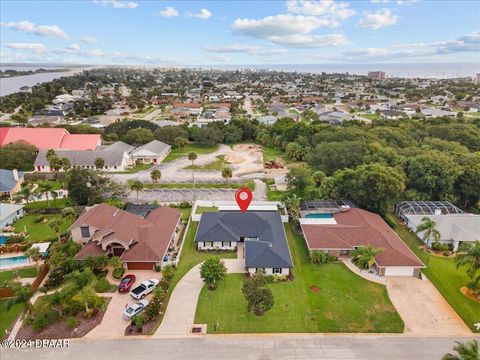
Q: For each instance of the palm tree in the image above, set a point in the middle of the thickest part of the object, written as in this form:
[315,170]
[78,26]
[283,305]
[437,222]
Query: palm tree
[469,255]
[465,351]
[56,225]
[292,203]
[136,185]
[25,193]
[34,254]
[156,175]
[181,142]
[227,173]
[99,163]
[70,214]
[45,187]
[364,257]
[192,157]
[429,229]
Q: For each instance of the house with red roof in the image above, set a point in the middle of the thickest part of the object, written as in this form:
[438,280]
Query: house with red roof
[344,230]
[142,243]
[49,138]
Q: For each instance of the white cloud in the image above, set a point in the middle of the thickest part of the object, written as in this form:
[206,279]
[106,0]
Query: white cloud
[378,19]
[203,14]
[37,48]
[246,49]
[74,47]
[219,58]
[89,39]
[324,8]
[169,11]
[41,30]
[290,30]
[117,4]
[398,2]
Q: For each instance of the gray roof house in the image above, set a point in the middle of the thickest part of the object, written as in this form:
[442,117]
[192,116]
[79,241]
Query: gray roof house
[10,181]
[153,152]
[261,232]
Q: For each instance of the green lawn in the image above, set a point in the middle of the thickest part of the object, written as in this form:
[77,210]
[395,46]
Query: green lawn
[202,209]
[40,231]
[54,203]
[443,273]
[29,272]
[177,153]
[273,153]
[185,213]
[216,165]
[344,302]
[273,195]
[8,316]
[230,185]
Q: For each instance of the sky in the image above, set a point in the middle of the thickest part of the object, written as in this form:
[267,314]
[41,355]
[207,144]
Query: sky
[239,32]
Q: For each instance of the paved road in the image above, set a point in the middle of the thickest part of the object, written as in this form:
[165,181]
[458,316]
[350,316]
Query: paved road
[179,195]
[261,347]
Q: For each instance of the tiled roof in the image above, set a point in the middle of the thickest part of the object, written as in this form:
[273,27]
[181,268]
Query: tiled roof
[357,227]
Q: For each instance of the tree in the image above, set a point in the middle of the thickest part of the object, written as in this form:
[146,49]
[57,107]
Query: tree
[364,257]
[88,298]
[66,165]
[54,162]
[192,157]
[257,293]
[34,254]
[292,203]
[136,185]
[70,214]
[44,187]
[227,173]
[469,256]
[168,134]
[155,175]
[212,271]
[99,163]
[181,142]
[299,181]
[429,229]
[19,155]
[25,193]
[465,351]
[318,177]
[56,225]
[138,136]
[22,296]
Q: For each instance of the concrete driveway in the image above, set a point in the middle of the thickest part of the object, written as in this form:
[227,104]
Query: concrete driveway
[113,324]
[423,308]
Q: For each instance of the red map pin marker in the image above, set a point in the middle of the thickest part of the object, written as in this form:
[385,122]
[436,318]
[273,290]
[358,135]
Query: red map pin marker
[243,197]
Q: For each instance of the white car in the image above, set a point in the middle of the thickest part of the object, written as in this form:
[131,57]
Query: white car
[135,309]
[145,288]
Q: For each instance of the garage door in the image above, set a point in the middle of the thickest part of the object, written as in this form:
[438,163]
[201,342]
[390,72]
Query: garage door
[140,265]
[399,271]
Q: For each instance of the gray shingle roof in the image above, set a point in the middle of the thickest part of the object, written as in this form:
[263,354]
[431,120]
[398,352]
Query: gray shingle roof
[269,250]
[7,182]
[154,146]
[82,157]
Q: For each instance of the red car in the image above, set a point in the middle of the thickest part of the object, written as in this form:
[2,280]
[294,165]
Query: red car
[126,283]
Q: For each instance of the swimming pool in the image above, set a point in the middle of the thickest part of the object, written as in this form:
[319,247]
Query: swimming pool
[13,261]
[3,239]
[319,216]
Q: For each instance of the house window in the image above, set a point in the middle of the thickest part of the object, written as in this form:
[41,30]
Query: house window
[208,244]
[85,230]
[277,270]
[226,244]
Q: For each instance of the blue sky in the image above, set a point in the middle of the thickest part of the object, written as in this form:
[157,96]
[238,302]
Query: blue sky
[239,32]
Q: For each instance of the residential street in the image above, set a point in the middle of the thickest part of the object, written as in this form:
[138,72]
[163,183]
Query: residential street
[261,347]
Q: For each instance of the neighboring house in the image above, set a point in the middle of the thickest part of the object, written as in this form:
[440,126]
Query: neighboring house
[454,225]
[116,157]
[9,213]
[261,234]
[49,138]
[267,119]
[437,112]
[151,153]
[142,243]
[339,233]
[10,182]
[336,117]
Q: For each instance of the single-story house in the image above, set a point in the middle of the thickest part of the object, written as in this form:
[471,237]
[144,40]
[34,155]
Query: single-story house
[151,153]
[341,232]
[10,182]
[261,234]
[454,225]
[142,243]
[9,213]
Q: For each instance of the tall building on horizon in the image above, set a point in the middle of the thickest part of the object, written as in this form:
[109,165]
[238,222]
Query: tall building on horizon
[377,75]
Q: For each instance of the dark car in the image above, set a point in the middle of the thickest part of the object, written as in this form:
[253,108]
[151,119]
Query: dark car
[126,283]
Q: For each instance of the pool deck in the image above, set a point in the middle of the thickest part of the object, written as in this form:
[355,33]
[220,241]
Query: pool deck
[15,266]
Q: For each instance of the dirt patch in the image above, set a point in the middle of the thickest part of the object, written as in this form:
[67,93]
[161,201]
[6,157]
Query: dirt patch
[245,159]
[60,330]
[314,289]
[146,329]
[466,291]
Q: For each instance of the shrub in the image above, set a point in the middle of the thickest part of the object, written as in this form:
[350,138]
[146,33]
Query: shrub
[184,205]
[168,272]
[139,321]
[158,268]
[165,283]
[55,278]
[39,219]
[446,253]
[71,322]
[437,246]
[15,239]
[102,285]
[39,324]
[319,257]
[118,272]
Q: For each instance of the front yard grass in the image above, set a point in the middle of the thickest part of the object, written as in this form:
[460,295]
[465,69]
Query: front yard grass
[54,203]
[226,185]
[29,272]
[177,153]
[39,231]
[443,273]
[8,316]
[202,209]
[339,302]
[216,165]
[273,195]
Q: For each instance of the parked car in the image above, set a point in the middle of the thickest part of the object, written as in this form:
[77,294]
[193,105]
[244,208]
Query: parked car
[145,288]
[126,283]
[135,309]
